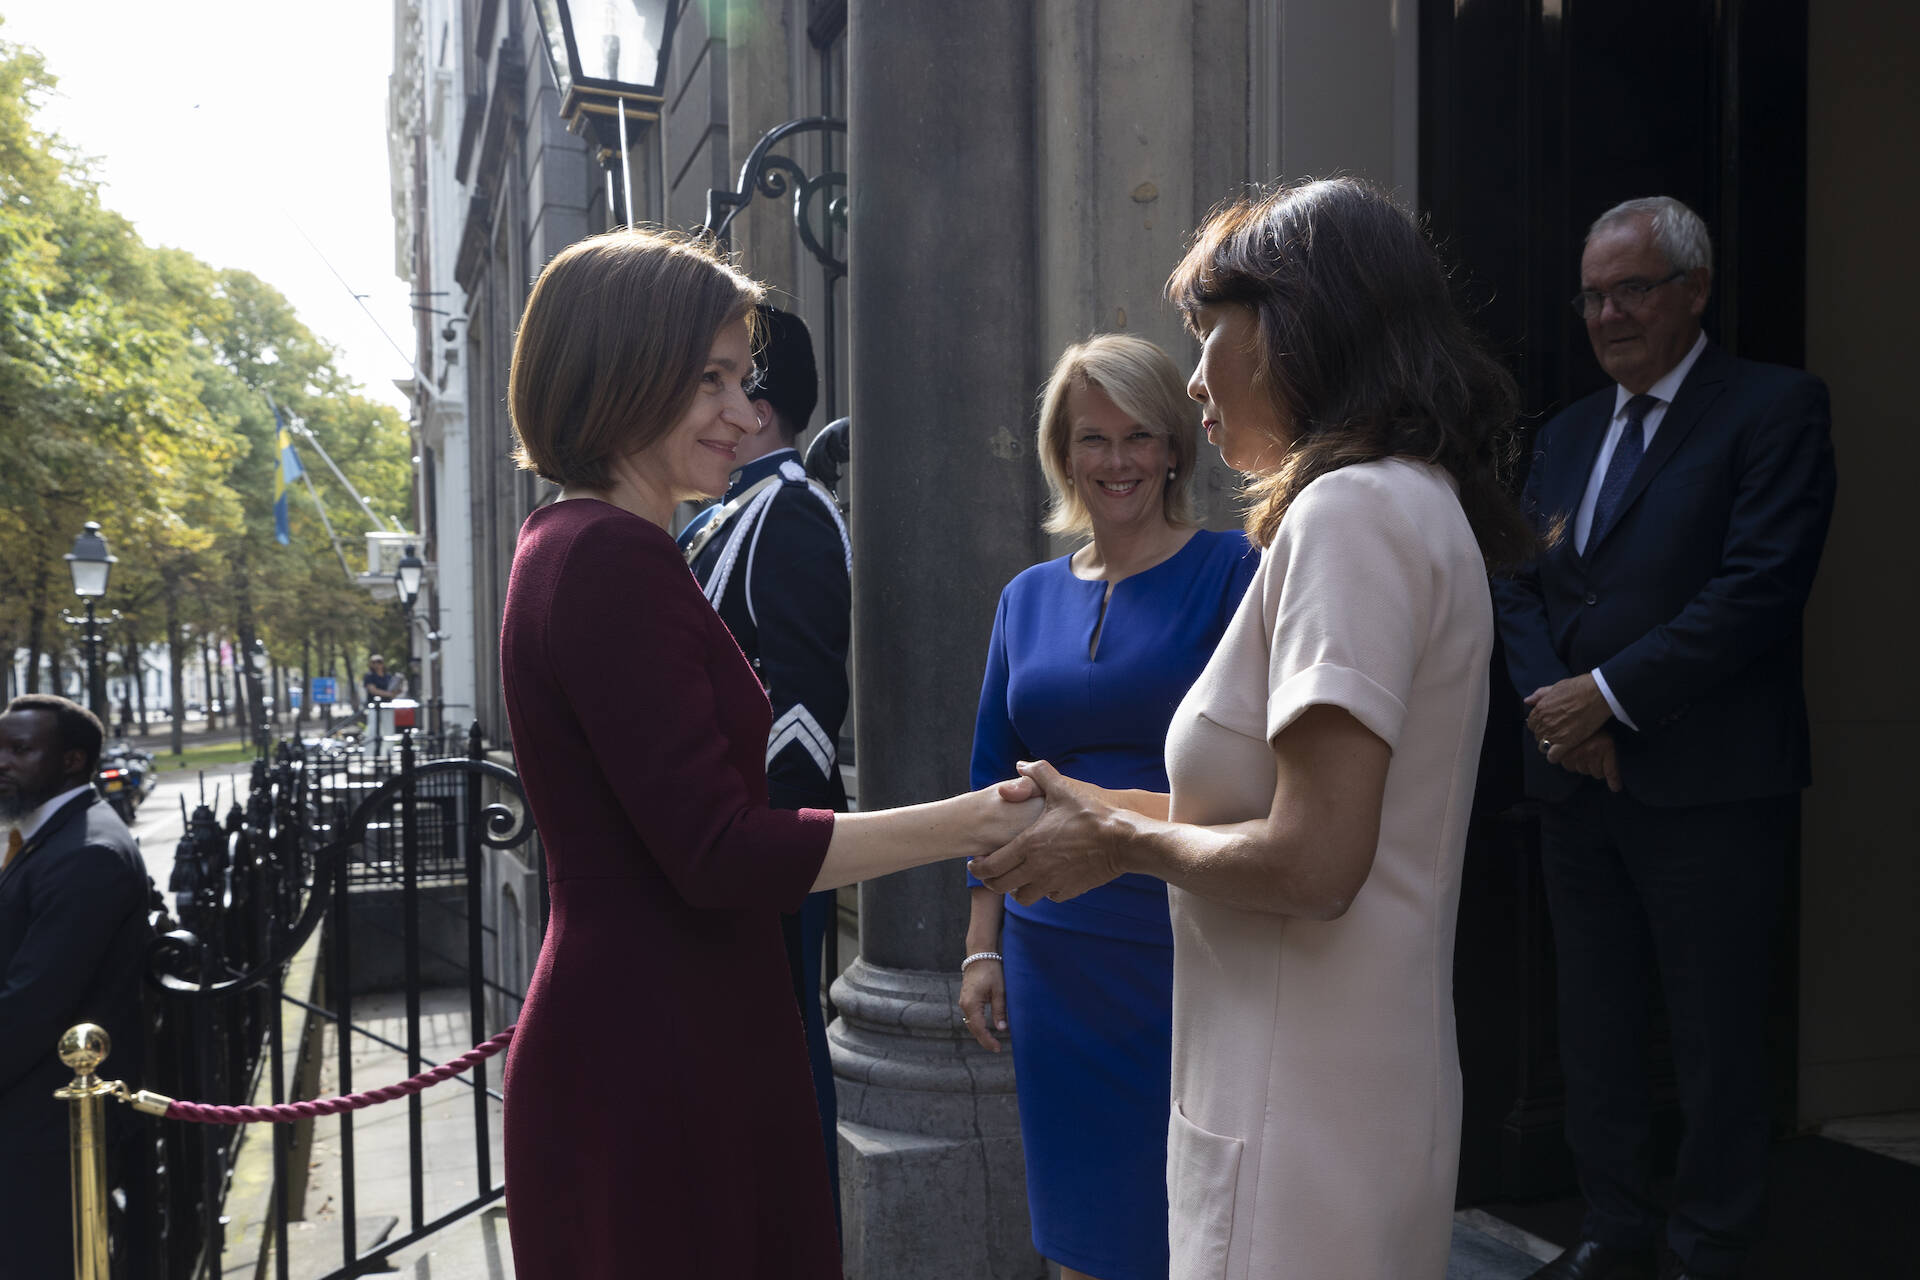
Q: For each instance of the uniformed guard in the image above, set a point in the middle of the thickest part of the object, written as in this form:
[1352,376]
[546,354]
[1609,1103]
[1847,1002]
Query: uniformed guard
[774,559]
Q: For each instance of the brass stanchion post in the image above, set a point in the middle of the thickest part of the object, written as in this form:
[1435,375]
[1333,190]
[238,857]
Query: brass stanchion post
[84,1048]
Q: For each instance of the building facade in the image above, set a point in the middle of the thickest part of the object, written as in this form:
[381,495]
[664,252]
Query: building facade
[1020,175]
[426,113]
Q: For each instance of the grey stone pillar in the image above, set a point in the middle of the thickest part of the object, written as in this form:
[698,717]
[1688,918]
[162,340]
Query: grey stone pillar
[946,503]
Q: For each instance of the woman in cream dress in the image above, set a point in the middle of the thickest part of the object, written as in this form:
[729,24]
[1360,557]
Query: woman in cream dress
[1323,765]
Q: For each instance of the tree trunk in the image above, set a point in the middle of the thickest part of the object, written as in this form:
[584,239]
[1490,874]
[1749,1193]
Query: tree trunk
[242,713]
[36,628]
[136,678]
[321,644]
[213,690]
[176,667]
[245,664]
[350,677]
[306,682]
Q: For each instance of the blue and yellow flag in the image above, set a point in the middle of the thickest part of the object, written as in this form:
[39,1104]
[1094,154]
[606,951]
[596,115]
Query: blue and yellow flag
[286,471]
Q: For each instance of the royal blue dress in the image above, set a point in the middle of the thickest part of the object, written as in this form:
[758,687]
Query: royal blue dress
[1090,981]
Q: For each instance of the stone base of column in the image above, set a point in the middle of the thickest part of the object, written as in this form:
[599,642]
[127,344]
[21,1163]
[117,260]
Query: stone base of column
[932,1178]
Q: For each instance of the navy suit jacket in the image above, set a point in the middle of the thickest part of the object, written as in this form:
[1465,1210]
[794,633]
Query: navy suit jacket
[73,934]
[1690,600]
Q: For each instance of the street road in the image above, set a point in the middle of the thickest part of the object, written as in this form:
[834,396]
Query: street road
[157,825]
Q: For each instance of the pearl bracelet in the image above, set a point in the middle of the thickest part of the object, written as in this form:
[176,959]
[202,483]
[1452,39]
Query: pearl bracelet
[980,955]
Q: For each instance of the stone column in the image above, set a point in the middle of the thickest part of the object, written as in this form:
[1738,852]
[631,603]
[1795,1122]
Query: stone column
[1141,120]
[946,504]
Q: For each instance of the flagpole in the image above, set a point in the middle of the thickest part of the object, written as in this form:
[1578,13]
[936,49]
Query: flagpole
[626,165]
[611,222]
[281,429]
[321,508]
[333,466]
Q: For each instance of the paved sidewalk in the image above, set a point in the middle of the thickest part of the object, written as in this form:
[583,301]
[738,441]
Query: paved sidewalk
[1485,1248]
[476,1247]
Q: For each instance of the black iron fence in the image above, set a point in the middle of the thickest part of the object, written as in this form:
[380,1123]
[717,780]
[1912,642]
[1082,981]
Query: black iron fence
[333,846]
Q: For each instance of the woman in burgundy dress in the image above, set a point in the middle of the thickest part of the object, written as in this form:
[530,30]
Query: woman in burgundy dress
[659,1115]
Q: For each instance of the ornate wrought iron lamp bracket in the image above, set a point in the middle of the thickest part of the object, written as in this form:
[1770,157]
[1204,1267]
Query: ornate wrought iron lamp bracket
[775,176]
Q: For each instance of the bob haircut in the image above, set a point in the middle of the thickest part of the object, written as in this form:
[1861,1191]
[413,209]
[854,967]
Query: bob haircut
[1144,383]
[1360,348]
[611,346]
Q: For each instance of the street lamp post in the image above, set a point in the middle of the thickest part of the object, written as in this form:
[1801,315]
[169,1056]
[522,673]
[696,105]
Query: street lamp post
[406,580]
[90,563]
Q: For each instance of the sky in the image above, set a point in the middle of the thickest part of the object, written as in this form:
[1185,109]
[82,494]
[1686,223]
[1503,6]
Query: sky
[228,128]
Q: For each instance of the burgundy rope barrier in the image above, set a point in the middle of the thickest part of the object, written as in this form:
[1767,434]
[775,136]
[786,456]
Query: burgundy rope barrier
[205,1113]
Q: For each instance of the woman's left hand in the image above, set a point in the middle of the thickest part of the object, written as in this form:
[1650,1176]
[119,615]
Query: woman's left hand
[1071,849]
[983,1001]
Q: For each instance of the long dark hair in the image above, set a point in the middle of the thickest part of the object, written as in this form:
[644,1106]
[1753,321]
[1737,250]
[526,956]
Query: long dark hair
[1361,349]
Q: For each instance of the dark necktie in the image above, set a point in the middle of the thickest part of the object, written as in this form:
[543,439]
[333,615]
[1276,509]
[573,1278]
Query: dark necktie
[1626,457]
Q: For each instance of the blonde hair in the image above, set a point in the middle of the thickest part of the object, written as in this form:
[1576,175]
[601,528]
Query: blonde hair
[611,345]
[1143,383]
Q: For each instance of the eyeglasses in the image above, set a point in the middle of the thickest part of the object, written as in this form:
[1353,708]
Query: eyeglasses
[1629,296]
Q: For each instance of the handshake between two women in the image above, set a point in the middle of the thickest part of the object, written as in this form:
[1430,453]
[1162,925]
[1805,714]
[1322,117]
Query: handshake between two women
[1076,843]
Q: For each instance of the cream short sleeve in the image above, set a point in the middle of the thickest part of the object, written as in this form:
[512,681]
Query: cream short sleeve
[1349,602]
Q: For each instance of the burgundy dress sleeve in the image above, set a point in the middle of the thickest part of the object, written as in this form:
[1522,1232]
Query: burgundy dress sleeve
[664,696]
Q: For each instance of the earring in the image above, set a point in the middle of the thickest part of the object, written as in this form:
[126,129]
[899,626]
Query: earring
[1169,473]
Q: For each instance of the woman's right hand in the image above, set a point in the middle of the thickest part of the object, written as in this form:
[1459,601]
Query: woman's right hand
[983,1001]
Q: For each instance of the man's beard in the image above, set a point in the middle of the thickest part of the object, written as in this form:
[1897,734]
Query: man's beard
[18,802]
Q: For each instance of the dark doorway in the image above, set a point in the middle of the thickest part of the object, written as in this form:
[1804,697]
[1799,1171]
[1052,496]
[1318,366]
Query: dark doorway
[1537,116]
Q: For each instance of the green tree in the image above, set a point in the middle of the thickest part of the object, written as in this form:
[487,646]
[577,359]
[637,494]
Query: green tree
[135,388]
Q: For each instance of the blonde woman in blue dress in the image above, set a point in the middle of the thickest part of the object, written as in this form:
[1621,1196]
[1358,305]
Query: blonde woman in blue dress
[1090,654]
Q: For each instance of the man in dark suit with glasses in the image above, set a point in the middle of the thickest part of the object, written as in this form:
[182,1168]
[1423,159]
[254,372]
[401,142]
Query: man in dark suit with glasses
[1656,643]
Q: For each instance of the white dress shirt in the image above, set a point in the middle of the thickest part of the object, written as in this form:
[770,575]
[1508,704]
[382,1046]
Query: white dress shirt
[1662,392]
[31,821]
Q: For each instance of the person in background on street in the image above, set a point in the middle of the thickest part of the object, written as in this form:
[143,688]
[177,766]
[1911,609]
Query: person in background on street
[1657,647]
[73,932]
[774,561]
[1323,763]
[378,683]
[1090,655]
[641,734]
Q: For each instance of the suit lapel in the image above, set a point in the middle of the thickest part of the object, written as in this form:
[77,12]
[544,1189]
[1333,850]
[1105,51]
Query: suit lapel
[1701,388]
[55,823]
[1570,484]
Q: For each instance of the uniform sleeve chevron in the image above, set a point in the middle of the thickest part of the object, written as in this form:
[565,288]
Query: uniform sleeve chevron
[798,726]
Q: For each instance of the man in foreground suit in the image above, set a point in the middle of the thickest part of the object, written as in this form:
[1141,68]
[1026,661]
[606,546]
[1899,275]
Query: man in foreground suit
[73,930]
[774,561]
[1657,646]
